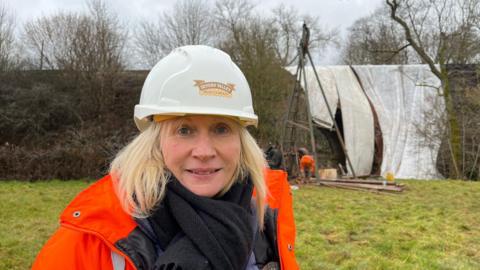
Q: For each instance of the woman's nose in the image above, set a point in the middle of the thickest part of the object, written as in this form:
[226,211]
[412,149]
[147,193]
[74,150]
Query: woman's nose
[204,148]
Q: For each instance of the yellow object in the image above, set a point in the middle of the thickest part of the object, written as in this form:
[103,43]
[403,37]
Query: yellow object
[390,177]
[160,118]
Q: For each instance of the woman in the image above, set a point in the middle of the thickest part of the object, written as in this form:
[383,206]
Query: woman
[179,196]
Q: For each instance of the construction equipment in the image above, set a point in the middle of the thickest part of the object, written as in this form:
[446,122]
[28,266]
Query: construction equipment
[293,121]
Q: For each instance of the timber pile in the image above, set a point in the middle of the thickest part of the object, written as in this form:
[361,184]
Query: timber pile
[358,184]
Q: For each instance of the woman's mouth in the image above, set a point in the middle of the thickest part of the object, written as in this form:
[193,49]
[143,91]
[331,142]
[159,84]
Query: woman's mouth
[203,171]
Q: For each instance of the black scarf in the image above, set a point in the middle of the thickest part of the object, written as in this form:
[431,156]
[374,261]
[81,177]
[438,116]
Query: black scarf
[204,233]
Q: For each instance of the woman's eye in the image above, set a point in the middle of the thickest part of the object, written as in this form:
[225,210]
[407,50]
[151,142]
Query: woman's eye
[222,129]
[184,131]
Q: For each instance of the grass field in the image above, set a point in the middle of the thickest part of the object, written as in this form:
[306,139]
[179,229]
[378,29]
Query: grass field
[432,225]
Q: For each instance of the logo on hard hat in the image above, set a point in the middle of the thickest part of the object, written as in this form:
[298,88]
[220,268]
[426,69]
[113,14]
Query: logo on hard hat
[214,88]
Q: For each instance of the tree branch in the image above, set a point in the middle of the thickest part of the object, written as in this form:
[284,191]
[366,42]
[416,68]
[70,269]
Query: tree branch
[393,4]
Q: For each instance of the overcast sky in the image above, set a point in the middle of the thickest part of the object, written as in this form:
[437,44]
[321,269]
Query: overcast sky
[332,13]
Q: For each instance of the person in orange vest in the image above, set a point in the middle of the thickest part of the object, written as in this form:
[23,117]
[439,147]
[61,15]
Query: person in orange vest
[307,165]
[179,195]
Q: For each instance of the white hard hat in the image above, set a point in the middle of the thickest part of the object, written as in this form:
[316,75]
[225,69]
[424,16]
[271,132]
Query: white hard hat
[195,79]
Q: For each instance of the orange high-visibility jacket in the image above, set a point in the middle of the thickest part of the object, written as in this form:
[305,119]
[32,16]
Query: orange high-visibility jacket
[279,197]
[307,162]
[90,227]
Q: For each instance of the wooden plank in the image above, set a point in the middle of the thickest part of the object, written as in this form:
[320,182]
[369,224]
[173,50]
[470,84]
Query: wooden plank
[347,187]
[363,186]
[373,182]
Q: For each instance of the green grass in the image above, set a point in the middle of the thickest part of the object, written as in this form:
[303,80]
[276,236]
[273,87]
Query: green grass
[29,215]
[432,225]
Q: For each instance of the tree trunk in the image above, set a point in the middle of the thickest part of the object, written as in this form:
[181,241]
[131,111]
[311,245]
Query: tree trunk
[454,133]
[442,74]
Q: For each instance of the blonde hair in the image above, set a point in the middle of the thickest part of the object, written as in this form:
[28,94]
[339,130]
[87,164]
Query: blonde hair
[140,175]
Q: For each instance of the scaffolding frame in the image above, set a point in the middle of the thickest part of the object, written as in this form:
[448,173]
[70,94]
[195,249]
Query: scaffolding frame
[291,123]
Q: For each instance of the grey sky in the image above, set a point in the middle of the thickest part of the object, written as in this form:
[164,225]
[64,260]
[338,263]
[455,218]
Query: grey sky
[332,13]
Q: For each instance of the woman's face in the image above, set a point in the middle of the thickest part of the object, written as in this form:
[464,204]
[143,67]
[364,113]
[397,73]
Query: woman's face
[202,152]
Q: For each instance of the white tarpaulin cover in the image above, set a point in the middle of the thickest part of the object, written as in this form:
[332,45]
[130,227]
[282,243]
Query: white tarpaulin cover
[404,98]
[341,87]
[357,118]
[319,110]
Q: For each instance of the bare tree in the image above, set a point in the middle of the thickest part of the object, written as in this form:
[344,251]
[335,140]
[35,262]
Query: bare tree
[233,19]
[197,22]
[50,39]
[232,16]
[87,48]
[375,39]
[148,44]
[188,23]
[107,36]
[287,23]
[72,41]
[99,49]
[435,24]
[7,39]
[439,31]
